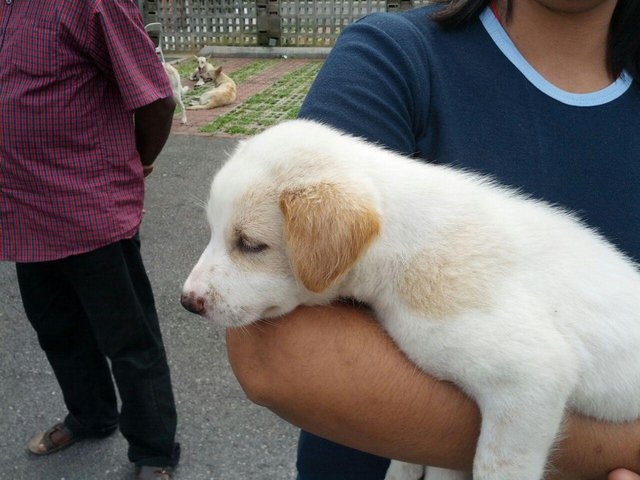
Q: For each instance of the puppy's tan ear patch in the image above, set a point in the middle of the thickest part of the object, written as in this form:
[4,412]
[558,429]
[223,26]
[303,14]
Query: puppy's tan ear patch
[218,70]
[326,229]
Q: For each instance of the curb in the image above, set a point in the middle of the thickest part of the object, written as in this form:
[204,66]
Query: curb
[265,52]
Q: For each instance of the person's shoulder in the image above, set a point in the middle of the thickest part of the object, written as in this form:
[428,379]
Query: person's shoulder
[416,21]
[78,9]
[413,30]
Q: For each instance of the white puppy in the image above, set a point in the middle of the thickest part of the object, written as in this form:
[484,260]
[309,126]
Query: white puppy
[177,89]
[521,305]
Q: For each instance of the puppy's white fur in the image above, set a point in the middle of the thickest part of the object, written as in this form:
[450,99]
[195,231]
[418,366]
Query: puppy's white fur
[177,89]
[519,303]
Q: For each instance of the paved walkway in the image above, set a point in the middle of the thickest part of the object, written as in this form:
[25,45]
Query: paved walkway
[246,89]
[223,435]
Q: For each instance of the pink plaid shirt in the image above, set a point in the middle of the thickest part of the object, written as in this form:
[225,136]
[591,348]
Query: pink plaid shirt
[71,74]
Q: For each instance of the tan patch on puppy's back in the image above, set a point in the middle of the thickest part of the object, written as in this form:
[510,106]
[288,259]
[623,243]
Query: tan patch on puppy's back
[456,274]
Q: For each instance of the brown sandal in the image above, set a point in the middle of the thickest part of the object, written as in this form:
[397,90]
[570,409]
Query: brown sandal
[54,439]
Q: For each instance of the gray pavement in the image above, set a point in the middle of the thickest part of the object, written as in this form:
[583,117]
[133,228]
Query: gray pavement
[223,435]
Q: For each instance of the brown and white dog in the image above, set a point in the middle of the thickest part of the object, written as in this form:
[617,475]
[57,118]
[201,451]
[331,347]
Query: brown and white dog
[223,92]
[177,89]
[520,304]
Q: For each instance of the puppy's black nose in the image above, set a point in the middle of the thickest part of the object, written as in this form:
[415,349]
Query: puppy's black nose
[193,303]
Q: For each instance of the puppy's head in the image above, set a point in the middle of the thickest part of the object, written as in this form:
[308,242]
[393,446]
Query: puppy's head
[288,222]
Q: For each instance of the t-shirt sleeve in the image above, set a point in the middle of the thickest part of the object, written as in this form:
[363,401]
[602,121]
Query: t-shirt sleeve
[124,52]
[374,83]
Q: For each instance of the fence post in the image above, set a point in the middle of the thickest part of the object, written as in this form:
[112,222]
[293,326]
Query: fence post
[399,5]
[268,22]
[149,11]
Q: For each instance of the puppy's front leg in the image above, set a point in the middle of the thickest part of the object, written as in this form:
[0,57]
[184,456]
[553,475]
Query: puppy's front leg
[433,473]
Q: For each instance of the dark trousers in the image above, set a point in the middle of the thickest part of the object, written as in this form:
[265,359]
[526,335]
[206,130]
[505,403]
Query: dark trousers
[98,305]
[320,459]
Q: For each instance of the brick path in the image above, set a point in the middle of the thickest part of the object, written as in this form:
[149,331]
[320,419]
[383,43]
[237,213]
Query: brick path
[246,89]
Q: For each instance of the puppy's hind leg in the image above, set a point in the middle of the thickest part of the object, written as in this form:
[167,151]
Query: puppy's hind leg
[404,471]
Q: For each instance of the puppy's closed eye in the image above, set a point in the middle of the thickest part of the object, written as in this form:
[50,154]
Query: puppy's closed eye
[246,245]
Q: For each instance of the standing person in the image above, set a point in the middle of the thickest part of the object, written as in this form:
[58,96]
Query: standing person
[543,95]
[85,109]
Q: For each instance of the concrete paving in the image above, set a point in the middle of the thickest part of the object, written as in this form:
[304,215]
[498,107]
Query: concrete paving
[223,435]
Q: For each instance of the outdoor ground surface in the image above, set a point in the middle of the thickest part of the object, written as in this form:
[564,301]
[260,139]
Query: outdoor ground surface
[223,435]
[269,91]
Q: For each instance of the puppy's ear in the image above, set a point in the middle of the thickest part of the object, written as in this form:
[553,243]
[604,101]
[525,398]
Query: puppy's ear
[326,229]
[217,70]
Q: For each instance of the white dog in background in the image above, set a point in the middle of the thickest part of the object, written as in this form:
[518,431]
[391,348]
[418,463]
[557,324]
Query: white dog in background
[203,72]
[177,89]
[517,302]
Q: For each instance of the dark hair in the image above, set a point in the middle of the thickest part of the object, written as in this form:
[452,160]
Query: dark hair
[623,50]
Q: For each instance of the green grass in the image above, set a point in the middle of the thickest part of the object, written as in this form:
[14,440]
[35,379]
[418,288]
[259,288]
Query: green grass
[187,67]
[279,102]
[252,69]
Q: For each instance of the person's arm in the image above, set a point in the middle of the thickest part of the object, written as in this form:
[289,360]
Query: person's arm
[123,51]
[153,125]
[621,474]
[334,372]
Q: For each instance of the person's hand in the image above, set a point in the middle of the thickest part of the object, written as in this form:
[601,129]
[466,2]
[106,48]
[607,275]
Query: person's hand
[147,169]
[622,474]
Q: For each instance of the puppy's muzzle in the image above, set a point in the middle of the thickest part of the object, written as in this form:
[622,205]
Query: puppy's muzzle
[193,303]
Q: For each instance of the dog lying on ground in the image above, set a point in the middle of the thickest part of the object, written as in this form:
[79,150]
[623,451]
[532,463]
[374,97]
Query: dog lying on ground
[223,92]
[203,72]
[517,302]
[177,89]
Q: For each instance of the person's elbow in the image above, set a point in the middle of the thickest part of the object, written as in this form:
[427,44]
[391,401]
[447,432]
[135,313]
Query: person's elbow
[165,107]
[250,359]
[158,111]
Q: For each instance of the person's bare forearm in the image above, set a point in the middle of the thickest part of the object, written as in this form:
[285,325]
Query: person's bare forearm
[334,372]
[153,125]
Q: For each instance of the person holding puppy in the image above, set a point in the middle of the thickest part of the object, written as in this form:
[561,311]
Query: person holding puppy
[543,95]
[86,109]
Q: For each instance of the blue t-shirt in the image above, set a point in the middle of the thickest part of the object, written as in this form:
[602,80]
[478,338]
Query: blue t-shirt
[466,97]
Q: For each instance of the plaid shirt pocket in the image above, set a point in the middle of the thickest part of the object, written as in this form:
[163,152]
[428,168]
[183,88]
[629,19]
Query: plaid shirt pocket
[35,50]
